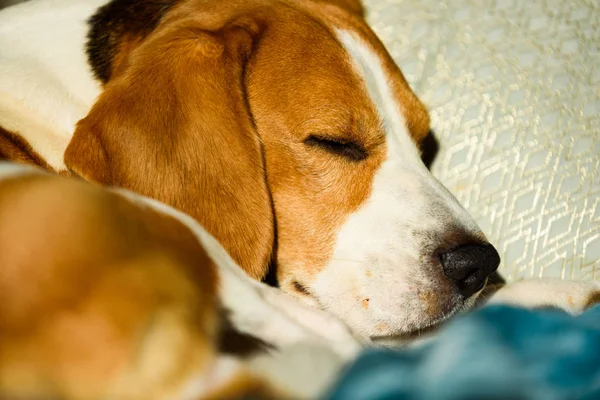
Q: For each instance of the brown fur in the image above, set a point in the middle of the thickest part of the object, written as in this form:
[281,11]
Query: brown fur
[208,114]
[99,297]
[113,24]
[205,162]
[593,300]
[14,148]
[413,110]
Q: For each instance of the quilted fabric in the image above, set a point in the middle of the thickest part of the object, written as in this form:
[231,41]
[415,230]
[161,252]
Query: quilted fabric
[514,90]
[496,353]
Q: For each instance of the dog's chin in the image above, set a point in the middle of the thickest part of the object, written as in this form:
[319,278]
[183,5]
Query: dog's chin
[407,338]
[424,333]
[417,329]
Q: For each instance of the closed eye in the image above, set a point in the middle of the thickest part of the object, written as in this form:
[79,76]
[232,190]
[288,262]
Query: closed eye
[340,147]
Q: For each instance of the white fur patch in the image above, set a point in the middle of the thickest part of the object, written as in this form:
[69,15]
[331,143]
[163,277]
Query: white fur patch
[223,370]
[571,296]
[379,277]
[46,84]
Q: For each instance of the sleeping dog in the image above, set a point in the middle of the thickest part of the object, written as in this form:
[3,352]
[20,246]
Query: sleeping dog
[283,127]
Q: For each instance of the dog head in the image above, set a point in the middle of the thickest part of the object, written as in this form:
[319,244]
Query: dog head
[287,130]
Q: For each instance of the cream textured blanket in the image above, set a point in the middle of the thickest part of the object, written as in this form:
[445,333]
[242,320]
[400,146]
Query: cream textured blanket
[514,90]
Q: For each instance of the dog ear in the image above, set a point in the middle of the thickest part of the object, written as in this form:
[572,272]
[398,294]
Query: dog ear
[174,125]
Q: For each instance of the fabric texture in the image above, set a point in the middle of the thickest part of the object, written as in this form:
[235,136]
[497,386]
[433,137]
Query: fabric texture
[514,91]
[498,352]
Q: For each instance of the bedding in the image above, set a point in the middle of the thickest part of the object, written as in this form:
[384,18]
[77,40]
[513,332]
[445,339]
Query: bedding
[498,352]
[513,91]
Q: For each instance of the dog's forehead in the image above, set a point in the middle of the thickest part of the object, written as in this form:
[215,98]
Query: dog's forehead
[302,78]
[320,59]
[386,86]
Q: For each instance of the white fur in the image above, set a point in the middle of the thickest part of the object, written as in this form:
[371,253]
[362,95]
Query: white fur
[571,296]
[46,84]
[224,370]
[375,255]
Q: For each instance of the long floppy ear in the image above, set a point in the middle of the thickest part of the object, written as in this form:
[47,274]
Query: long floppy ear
[174,125]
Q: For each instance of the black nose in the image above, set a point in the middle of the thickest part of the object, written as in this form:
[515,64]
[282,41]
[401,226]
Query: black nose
[469,266]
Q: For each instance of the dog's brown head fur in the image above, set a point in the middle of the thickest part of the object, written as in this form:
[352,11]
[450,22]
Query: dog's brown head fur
[187,99]
[178,108]
[286,129]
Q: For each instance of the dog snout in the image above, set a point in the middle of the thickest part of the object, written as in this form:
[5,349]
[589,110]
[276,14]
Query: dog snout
[469,265]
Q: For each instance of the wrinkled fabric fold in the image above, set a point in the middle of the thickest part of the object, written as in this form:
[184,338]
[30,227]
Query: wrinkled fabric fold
[498,352]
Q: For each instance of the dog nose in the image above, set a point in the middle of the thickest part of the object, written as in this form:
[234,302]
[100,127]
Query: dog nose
[469,266]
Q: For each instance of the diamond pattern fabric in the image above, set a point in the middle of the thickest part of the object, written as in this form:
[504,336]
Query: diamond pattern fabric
[514,92]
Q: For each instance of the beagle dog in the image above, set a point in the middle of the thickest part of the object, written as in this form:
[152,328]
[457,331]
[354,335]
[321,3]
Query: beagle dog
[283,126]
[108,295]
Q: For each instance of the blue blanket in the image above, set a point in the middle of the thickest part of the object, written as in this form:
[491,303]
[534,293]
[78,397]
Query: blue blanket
[498,352]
